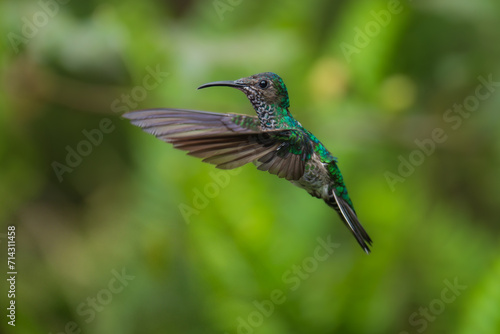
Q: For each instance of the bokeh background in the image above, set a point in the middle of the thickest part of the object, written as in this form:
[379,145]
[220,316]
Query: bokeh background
[369,78]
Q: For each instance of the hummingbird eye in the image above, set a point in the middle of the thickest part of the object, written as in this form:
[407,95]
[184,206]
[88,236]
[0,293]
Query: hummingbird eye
[263,84]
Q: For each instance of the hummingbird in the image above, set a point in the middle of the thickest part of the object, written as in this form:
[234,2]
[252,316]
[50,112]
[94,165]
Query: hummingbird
[273,140]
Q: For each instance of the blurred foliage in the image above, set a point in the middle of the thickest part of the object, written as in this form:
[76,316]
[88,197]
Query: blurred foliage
[67,65]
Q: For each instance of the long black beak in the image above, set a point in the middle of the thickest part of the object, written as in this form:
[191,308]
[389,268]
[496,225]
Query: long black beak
[222,83]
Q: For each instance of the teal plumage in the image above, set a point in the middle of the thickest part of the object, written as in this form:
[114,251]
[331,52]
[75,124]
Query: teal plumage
[274,141]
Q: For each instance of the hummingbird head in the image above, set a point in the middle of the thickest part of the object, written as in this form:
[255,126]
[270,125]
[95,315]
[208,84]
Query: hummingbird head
[264,90]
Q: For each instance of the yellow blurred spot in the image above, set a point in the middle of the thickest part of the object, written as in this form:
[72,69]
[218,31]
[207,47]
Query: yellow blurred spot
[328,79]
[397,93]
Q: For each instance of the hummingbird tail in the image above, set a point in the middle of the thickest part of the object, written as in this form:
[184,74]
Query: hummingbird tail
[350,219]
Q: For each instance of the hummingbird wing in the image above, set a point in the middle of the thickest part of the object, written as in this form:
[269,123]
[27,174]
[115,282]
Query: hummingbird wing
[228,140]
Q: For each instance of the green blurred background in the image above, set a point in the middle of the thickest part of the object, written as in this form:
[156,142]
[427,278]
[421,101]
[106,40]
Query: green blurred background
[369,78]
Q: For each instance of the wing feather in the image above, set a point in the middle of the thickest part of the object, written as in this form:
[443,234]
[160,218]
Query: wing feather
[228,140]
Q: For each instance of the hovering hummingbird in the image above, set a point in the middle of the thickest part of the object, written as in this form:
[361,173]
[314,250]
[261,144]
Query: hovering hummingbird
[273,140]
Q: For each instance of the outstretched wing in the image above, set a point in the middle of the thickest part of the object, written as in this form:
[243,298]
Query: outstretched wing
[228,140]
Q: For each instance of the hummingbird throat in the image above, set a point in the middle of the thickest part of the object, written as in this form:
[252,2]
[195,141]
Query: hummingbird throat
[265,112]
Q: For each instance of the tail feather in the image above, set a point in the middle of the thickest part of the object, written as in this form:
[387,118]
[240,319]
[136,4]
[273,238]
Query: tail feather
[350,219]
